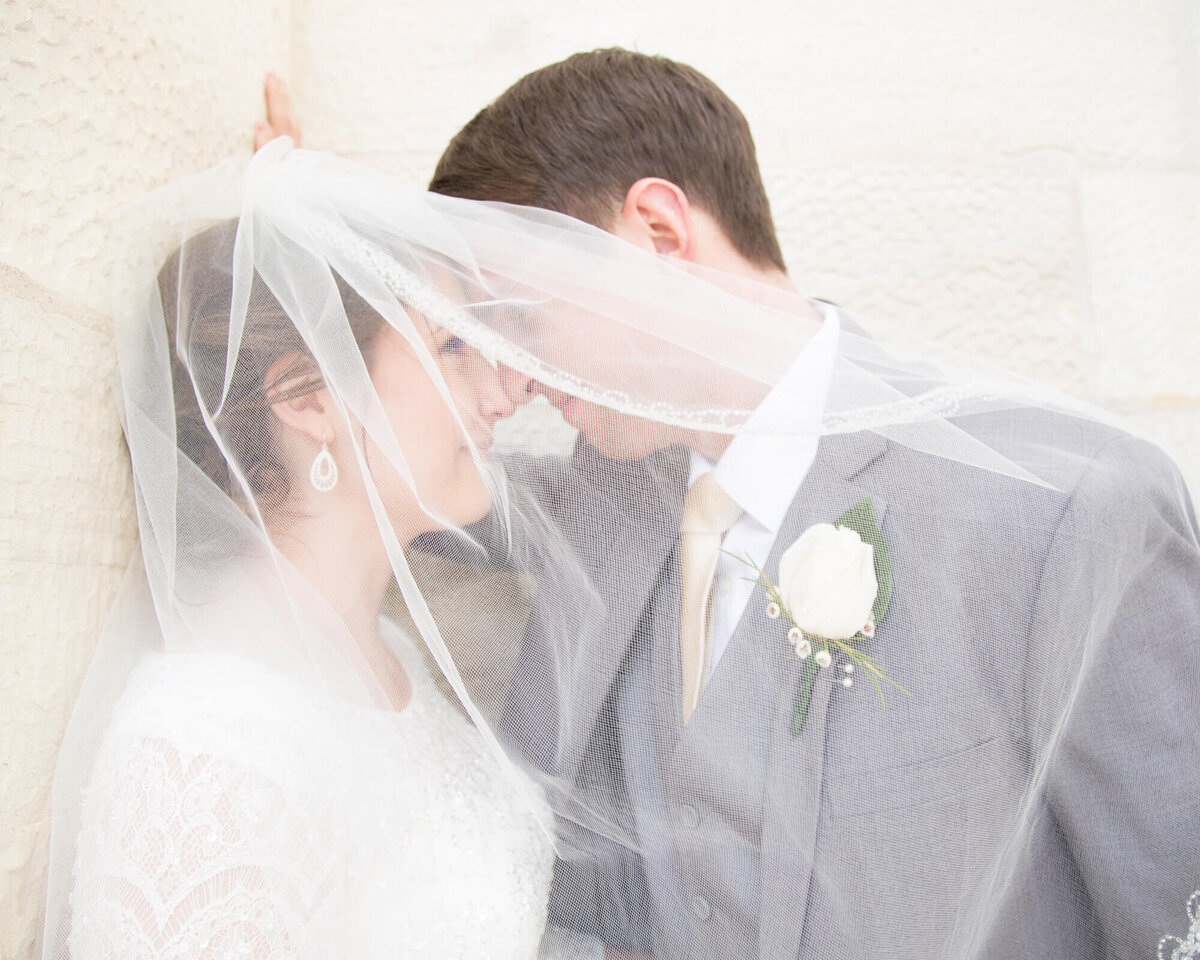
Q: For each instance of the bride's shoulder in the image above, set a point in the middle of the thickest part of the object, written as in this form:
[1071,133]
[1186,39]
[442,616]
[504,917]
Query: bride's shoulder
[202,677]
[211,702]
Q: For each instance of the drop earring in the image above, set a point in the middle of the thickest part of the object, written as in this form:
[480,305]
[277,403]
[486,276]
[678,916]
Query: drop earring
[324,473]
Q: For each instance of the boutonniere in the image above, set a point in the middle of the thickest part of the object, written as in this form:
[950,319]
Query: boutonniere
[835,585]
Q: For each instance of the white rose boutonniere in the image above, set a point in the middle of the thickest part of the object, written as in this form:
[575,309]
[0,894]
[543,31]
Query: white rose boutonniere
[835,585]
[827,581]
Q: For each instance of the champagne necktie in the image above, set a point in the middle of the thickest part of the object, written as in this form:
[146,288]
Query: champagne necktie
[708,512]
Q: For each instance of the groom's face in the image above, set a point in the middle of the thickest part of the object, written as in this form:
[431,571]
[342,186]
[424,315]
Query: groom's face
[617,435]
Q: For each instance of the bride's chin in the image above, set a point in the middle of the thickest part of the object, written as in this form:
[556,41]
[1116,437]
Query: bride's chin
[466,501]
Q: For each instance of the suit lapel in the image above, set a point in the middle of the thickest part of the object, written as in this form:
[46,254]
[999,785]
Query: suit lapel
[795,764]
[625,560]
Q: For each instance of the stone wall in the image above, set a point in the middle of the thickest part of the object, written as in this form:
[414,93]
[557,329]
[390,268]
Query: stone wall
[99,102]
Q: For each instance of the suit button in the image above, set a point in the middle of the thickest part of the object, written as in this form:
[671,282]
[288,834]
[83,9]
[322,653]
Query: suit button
[689,816]
[701,908]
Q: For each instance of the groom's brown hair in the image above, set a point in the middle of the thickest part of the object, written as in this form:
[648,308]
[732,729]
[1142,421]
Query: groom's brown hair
[576,135]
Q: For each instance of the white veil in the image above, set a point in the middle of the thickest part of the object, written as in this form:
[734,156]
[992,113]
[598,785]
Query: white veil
[1029,790]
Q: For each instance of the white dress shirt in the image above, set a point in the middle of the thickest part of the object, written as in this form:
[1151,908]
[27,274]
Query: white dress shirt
[762,473]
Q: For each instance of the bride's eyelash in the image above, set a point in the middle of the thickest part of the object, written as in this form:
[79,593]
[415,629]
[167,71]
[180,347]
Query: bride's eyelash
[452,345]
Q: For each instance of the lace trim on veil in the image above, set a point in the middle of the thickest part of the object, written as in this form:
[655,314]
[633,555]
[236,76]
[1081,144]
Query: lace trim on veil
[410,290]
[1188,947]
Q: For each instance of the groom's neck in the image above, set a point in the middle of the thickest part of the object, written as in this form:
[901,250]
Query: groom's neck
[688,232]
[713,249]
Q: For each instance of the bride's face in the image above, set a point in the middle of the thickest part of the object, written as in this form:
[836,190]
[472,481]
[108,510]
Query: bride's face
[446,474]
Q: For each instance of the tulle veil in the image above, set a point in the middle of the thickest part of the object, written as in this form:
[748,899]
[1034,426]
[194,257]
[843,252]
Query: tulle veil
[1023,778]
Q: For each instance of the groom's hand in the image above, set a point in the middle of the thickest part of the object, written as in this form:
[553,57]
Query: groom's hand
[281,121]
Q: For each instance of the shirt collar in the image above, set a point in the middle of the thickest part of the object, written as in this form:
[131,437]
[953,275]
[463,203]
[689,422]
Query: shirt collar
[762,470]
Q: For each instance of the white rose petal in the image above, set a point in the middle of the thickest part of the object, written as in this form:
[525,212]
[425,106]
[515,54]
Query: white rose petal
[827,581]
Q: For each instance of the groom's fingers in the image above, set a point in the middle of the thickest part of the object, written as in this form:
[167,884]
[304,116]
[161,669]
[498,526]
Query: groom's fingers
[279,109]
[281,120]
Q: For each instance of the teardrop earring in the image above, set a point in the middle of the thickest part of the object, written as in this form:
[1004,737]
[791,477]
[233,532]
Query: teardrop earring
[324,472]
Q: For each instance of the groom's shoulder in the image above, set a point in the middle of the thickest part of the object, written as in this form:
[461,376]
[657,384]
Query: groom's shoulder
[1074,453]
[1048,466]
[592,498]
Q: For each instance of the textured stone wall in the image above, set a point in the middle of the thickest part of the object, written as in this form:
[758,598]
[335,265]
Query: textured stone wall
[1019,178]
[99,102]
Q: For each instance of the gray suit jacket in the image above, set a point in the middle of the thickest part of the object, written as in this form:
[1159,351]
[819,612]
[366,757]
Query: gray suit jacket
[913,830]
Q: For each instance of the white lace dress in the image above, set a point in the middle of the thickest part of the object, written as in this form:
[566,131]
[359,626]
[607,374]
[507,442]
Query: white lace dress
[233,814]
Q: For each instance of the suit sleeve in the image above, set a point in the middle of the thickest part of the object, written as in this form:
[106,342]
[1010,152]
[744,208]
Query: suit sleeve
[599,892]
[600,887]
[1112,843]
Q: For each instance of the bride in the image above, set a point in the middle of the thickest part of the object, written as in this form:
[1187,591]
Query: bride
[261,765]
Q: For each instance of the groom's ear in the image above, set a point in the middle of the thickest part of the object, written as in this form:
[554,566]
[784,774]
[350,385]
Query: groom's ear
[656,216]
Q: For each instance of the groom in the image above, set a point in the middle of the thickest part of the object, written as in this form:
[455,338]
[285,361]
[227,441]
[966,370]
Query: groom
[863,831]
[730,830]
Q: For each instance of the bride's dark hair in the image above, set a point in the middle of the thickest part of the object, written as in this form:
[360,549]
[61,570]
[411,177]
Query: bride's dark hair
[196,289]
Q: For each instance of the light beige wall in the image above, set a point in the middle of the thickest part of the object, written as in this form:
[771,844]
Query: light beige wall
[1020,178]
[99,102]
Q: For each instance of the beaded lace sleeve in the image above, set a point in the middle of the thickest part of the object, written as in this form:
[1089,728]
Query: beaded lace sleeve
[201,835]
